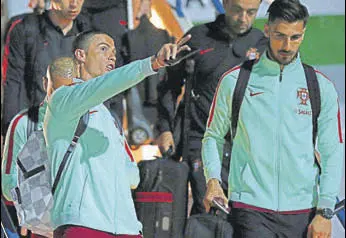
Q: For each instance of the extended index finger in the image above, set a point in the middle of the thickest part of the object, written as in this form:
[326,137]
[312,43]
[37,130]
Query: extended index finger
[183,40]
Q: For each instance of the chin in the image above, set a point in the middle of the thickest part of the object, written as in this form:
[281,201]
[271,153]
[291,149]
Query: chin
[242,30]
[286,62]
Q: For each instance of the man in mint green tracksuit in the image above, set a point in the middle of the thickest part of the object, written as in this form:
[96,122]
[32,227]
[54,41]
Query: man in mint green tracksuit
[273,180]
[93,197]
[17,135]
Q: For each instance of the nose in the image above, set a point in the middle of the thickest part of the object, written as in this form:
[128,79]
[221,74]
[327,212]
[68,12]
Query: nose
[243,16]
[112,57]
[286,44]
[73,3]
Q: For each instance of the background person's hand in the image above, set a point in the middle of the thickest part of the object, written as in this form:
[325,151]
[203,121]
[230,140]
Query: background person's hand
[214,190]
[320,227]
[169,51]
[165,141]
[36,3]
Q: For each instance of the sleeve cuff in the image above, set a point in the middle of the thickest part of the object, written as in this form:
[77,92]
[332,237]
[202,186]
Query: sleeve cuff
[326,203]
[213,175]
[162,126]
[146,67]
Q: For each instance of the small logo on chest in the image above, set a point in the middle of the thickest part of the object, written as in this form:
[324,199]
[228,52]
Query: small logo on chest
[303,95]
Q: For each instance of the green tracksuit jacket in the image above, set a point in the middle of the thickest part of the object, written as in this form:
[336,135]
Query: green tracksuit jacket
[272,163]
[16,138]
[94,190]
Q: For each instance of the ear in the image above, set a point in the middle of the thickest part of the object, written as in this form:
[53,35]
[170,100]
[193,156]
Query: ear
[303,34]
[55,5]
[80,55]
[45,83]
[266,30]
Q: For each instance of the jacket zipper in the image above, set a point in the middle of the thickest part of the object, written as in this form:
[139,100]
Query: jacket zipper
[278,142]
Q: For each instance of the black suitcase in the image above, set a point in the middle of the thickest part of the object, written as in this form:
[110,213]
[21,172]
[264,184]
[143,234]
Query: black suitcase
[209,225]
[161,198]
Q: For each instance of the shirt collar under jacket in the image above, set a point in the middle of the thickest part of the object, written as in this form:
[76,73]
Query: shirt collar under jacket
[271,67]
[77,80]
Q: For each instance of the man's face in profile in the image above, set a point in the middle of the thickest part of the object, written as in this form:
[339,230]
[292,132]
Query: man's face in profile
[100,56]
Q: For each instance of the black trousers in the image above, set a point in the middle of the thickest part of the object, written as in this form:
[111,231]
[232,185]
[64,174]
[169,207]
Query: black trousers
[254,224]
[197,178]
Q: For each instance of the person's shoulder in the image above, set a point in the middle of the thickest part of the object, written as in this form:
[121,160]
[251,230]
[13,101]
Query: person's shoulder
[32,19]
[257,32]
[199,35]
[229,78]
[28,22]
[15,23]
[19,122]
[199,30]
[325,83]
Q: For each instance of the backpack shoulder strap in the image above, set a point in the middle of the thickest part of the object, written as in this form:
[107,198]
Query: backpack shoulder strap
[32,123]
[315,97]
[82,125]
[315,100]
[239,92]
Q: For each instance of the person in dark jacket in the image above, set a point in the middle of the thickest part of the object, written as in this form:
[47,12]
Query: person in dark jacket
[109,16]
[32,42]
[223,44]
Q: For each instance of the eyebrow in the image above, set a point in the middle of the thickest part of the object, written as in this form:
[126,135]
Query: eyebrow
[250,9]
[298,34]
[104,43]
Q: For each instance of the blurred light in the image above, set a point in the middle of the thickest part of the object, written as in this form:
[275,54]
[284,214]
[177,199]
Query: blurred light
[156,20]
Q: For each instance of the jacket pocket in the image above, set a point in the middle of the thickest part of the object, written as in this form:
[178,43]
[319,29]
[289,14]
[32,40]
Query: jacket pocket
[83,194]
[247,179]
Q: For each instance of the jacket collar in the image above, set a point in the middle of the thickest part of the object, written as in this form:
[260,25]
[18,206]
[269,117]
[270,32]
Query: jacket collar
[77,80]
[271,67]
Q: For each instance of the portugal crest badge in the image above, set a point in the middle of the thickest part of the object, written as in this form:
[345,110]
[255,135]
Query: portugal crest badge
[303,95]
[252,54]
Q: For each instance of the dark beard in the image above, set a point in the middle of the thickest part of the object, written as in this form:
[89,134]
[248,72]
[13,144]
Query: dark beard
[271,56]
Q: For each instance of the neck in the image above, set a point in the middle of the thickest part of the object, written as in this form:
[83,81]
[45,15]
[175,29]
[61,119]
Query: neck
[64,24]
[84,75]
[271,57]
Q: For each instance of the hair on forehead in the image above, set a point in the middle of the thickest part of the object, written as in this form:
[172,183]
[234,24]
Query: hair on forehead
[288,10]
[83,40]
[63,67]
[229,1]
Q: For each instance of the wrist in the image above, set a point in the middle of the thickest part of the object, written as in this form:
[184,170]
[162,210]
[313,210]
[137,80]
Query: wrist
[326,213]
[155,64]
[213,181]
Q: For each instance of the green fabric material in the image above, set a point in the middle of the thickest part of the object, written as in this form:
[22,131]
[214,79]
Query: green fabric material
[272,163]
[94,190]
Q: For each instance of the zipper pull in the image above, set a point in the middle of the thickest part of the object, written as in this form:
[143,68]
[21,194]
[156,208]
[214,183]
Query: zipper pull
[280,75]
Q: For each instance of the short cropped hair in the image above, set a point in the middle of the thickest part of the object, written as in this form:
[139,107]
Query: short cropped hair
[63,67]
[288,10]
[82,40]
